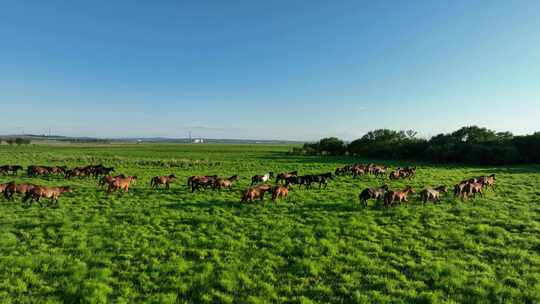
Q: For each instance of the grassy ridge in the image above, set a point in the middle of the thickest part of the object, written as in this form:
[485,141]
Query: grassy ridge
[318,246]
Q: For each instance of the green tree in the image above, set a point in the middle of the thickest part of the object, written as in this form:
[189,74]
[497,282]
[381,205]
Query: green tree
[332,145]
[475,134]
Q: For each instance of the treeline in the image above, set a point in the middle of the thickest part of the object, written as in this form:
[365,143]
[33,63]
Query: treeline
[16,141]
[466,145]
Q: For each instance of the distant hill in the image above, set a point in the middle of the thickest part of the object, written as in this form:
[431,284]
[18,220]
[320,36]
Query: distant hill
[83,139]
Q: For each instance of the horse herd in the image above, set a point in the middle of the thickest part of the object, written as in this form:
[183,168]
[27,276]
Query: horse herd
[260,184]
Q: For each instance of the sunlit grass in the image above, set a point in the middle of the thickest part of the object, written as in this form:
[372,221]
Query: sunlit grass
[317,246]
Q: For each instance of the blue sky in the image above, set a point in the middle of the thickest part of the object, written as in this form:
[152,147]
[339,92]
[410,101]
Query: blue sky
[268,69]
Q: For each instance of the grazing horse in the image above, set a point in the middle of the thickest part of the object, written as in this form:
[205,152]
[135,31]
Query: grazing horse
[280,192]
[400,196]
[121,183]
[51,193]
[262,178]
[372,193]
[225,182]
[284,176]
[434,195]
[162,180]
[12,188]
[253,193]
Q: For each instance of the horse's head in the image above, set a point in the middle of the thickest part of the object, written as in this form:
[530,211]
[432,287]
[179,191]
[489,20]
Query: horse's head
[409,189]
[172,176]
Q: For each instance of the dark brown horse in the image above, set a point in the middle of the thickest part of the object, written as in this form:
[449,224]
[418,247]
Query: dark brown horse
[34,171]
[285,175]
[372,193]
[196,182]
[162,180]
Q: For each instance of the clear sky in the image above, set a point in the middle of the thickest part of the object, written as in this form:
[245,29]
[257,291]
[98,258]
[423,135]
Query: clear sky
[268,69]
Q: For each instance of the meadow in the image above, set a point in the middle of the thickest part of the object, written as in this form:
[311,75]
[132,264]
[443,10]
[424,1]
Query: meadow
[318,246]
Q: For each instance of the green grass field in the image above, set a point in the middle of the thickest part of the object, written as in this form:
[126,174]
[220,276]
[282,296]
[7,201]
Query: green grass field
[318,246]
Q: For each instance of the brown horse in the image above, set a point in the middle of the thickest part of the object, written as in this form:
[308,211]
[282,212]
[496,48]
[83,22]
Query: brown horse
[121,183]
[429,194]
[399,196]
[58,170]
[162,180]
[34,171]
[489,181]
[107,179]
[52,193]
[285,175]
[196,182]
[225,182]
[379,171]
[253,193]
[372,193]
[472,189]
[280,192]
[3,187]
[12,188]
[358,171]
